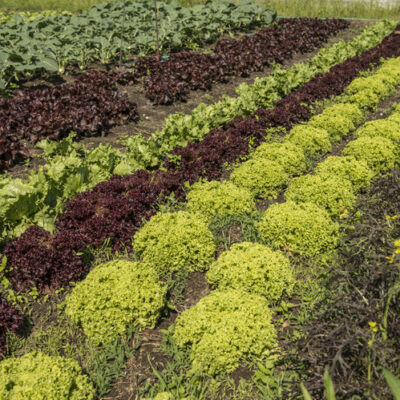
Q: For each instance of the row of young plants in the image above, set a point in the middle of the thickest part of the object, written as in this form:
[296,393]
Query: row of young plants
[234,322]
[71,168]
[53,42]
[115,209]
[92,105]
[103,304]
[166,81]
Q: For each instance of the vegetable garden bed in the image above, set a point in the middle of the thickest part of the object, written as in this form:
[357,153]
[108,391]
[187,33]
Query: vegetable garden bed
[204,261]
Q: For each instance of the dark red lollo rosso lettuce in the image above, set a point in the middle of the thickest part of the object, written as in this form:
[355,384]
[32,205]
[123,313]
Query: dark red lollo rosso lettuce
[43,260]
[115,209]
[10,321]
[85,108]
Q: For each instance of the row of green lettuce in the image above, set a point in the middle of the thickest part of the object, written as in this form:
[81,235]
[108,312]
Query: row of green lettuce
[71,168]
[234,321]
[305,224]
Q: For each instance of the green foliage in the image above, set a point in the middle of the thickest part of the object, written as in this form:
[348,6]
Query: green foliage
[379,153]
[52,43]
[161,396]
[337,125]
[314,141]
[216,198]
[395,117]
[390,71]
[393,382]
[172,241]
[365,99]
[288,155]
[44,193]
[305,229]
[350,111]
[254,268]
[263,178]
[347,167]
[331,192]
[374,83]
[115,295]
[40,198]
[225,328]
[380,127]
[37,376]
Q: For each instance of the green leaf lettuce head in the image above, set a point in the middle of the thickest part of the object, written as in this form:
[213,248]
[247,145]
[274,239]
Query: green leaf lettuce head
[219,198]
[333,193]
[347,167]
[115,295]
[254,268]
[288,155]
[226,328]
[263,178]
[174,241]
[338,126]
[313,141]
[378,152]
[380,127]
[37,376]
[304,229]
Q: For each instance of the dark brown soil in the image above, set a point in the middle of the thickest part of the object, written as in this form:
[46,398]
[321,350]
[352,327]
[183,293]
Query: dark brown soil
[153,117]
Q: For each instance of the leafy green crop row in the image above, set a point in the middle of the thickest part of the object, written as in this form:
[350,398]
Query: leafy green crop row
[228,325]
[302,226]
[71,168]
[176,241]
[52,42]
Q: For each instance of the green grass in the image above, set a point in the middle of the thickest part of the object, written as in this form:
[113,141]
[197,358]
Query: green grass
[335,8]
[39,5]
[292,8]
